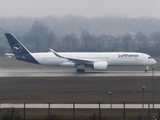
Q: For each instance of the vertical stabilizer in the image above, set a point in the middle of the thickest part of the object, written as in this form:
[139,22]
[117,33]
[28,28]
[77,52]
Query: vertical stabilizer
[19,50]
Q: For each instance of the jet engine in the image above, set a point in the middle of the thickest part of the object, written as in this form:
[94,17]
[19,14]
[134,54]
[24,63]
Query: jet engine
[100,65]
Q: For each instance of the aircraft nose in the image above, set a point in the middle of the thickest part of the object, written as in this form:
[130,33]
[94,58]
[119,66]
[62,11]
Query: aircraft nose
[154,61]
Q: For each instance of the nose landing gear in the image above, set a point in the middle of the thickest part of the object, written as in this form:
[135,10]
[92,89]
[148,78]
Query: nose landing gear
[146,69]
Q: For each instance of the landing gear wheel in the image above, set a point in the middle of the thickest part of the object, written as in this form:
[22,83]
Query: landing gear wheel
[146,69]
[80,70]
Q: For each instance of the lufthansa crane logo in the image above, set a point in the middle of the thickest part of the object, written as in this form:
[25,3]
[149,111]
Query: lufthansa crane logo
[17,48]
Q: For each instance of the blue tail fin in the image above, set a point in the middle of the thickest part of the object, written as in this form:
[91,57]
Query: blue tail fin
[19,50]
[16,45]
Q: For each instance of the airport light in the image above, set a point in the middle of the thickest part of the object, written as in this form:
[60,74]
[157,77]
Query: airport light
[153,92]
[143,87]
[110,93]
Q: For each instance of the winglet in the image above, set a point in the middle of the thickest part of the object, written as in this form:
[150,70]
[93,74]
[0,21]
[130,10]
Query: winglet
[56,54]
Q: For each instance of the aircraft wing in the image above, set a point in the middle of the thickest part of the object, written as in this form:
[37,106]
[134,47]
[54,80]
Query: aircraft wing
[74,60]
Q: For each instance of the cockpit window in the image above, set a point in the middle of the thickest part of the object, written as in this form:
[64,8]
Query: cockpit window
[149,57]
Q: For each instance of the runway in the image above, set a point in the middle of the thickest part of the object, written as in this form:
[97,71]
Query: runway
[70,72]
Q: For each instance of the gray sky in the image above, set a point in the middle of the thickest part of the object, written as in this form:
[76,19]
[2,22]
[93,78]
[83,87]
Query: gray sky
[87,8]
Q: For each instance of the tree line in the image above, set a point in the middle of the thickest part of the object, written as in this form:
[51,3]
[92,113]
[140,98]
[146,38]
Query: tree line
[40,38]
[78,34]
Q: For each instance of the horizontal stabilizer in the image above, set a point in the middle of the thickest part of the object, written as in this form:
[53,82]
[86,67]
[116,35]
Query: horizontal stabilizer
[9,55]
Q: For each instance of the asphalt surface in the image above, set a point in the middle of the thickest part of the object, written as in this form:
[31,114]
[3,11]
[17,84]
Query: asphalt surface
[70,72]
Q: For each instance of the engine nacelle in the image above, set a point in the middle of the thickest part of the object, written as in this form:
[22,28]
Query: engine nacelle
[100,65]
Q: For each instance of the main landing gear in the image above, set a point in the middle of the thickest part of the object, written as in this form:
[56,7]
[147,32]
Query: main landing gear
[146,69]
[79,70]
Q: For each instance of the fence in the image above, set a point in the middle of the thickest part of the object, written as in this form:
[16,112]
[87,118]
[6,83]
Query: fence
[77,111]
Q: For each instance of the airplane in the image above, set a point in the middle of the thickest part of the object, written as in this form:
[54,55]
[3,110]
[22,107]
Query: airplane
[81,60]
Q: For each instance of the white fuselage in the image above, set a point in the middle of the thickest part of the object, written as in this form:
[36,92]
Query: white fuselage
[112,58]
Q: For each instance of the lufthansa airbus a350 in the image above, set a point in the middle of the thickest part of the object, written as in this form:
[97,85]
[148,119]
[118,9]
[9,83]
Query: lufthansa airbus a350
[81,60]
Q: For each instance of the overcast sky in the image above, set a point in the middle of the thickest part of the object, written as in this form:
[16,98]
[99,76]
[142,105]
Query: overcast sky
[87,8]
